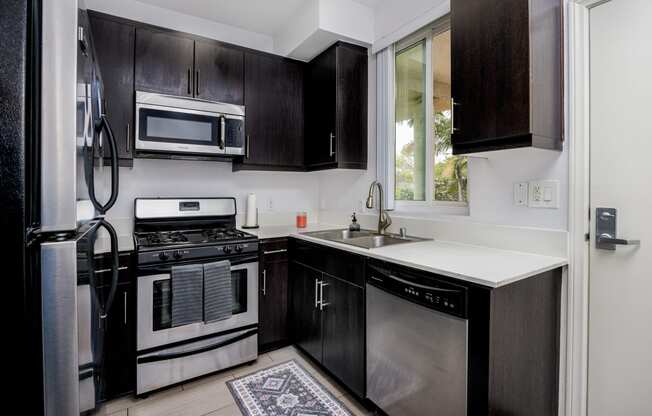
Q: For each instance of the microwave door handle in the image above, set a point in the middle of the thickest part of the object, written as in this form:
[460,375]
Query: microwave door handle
[222,132]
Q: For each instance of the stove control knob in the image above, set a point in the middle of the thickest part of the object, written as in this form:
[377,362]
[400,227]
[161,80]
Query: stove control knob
[238,248]
[163,256]
[177,255]
[226,249]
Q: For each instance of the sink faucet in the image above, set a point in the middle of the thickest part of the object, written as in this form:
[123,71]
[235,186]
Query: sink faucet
[383,218]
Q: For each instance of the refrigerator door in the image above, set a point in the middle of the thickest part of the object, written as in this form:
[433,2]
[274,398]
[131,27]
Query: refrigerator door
[73,314]
[72,147]
[59,101]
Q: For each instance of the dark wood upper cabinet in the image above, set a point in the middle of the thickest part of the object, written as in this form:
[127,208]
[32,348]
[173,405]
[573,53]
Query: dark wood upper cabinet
[219,72]
[114,48]
[321,99]
[274,113]
[336,109]
[164,62]
[506,74]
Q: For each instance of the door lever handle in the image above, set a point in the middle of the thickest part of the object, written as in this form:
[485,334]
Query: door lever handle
[608,239]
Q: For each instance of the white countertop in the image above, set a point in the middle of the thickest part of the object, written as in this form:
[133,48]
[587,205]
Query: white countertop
[478,264]
[279,231]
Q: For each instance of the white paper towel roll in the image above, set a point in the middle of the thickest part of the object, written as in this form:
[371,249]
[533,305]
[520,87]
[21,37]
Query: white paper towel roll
[251,219]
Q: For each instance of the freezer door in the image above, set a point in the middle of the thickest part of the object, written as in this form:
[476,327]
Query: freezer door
[66,334]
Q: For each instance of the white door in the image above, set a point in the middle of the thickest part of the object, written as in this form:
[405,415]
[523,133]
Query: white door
[620,283]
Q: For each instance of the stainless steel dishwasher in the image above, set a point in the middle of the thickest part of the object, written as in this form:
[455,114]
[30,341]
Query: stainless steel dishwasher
[417,332]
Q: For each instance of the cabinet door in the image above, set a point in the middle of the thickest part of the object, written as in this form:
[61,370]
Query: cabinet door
[273,303]
[274,111]
[164,63]
[119,343]
[321,146]
[351,109]
[490,69]
[219,73]
[305,315]
[344,333]
[114,47]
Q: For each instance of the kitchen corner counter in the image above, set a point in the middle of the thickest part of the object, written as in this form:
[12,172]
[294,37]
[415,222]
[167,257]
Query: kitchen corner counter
[280,231]
[476,264]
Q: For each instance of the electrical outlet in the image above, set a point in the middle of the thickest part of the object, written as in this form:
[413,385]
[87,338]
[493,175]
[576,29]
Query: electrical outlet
[520,193]
[543,194]
[269,204]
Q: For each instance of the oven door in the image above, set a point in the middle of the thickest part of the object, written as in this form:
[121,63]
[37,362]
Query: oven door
[155,300]
[178,130]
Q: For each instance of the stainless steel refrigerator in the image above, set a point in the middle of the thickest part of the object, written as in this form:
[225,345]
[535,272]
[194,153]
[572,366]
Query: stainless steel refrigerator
[56,192]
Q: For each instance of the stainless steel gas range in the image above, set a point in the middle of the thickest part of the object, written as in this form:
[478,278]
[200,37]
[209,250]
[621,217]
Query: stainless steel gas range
[181,232]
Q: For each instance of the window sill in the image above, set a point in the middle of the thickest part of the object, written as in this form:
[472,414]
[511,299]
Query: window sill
[409,210]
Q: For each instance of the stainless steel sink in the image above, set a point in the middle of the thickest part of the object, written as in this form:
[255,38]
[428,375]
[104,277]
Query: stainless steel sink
[363,238]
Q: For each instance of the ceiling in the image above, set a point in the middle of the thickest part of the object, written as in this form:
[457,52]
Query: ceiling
[261,16]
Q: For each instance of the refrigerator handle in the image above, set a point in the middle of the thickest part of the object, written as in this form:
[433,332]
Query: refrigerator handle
[103,125]
[115,267]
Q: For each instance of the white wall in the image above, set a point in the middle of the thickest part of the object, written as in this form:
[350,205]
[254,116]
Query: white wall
[142,12]
[288,191]
[491,187]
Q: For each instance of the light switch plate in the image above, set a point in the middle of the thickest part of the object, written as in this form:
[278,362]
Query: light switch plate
[543,194]
[520,193]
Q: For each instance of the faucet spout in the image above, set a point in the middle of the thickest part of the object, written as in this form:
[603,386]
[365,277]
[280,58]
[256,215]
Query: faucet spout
[384,221]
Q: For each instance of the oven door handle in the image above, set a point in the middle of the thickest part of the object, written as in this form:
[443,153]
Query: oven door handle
[180,354]
[236,264]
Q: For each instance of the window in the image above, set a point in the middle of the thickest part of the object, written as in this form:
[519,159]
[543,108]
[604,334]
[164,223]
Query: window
[426,171]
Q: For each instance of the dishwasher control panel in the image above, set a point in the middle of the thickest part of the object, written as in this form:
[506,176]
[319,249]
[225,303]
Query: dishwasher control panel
[421,288]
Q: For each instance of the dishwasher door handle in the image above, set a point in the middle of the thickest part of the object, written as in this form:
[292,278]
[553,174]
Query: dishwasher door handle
[420,286]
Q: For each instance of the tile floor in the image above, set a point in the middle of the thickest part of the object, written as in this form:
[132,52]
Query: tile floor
[210,396]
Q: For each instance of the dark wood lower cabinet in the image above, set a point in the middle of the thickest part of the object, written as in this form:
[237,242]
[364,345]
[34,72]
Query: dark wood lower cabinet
[328,312]
[344,332]
[118,361]
[273,294]
[304,312]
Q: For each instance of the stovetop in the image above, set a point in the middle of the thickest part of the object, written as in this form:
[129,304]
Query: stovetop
[174,238]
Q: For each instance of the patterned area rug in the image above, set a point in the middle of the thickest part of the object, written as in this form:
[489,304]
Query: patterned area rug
[286,389]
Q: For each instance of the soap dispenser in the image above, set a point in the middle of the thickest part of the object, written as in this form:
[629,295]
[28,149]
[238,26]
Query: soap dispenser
[354,226]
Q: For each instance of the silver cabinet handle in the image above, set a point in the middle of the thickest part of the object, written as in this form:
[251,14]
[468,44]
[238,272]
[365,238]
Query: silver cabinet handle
[125,307]
[331,151]
[222,132]
[189,81]
[128,139]
[109,270]
[197,83]
[317,283]
[247,147]
[453,104]
[265,282]
[283,250]
[608,239]
[322,304]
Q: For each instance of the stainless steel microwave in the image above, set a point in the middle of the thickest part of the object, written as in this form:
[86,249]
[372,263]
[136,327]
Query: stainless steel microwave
[185,126]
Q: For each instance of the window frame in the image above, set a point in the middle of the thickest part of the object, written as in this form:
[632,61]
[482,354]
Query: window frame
[430,205]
